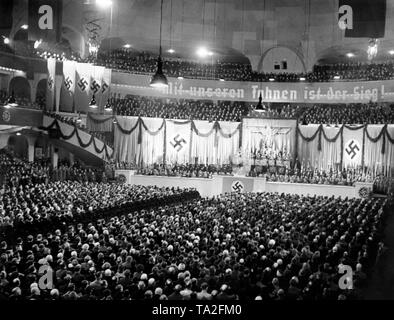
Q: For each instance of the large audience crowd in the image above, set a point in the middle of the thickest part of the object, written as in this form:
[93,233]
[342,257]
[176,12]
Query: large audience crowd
[346,177]
[28,206]
[235,246]
[146,62]
[178,109]
[16,172]
[357,113]
[185,170]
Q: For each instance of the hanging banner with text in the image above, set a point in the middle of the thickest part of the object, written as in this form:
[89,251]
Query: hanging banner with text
[300,92]
[45,20]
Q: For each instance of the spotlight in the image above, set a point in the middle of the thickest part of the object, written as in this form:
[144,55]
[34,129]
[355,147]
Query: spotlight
[25,27]
[391,52]
[93,103]
[159,80]
[18,134]
[127,46]
[202,52]
[6,40]
[104,3]
[260,107]
[302,79]
[337,77]
[271,79]
[350,54]
[171,50]
[108,106]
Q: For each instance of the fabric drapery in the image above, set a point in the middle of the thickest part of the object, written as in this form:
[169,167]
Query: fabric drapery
[353,146]
[152,141]
[127,147]
[99,123]
[177,141]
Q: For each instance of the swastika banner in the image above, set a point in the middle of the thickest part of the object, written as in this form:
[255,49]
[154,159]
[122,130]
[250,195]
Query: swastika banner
[237,184]
[105,88]
[68,86]
[352,147]
[82,86]
[178,141]
[50,94]
[96,79]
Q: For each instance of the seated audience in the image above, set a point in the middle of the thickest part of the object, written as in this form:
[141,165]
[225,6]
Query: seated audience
[185,170]
[357,113]
[235,246]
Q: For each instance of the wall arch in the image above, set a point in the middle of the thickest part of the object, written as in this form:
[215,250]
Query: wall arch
[294,59]
[41,90]
[75,38]
[19,146]
[21,88]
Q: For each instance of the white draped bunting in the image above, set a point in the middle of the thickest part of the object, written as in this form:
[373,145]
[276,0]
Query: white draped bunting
[227,147]
[203,148]
[357,148]
[126,147]
[152,144]
[206,142]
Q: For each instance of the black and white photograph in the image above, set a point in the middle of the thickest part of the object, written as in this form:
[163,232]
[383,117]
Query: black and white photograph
[197,157]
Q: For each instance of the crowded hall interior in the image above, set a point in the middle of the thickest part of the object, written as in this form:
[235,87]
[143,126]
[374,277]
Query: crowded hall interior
[196,150]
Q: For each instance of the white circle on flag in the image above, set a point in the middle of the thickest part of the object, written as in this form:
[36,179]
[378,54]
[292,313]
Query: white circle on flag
[352,150]
[237,186]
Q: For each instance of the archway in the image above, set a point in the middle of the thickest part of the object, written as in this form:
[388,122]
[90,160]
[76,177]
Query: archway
[18,146]
[74,38]
[282,59]
[41,92]
[21,88]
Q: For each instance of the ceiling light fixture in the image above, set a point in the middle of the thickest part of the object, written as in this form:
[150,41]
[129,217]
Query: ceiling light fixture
[202,52]
[93,103]
[260,107]
[104,3]
[108,106]
[159,80]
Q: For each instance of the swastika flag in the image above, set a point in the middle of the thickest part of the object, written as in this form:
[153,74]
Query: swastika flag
[178,141]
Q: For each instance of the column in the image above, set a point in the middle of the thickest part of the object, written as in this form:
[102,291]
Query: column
[31,141]
[54,156]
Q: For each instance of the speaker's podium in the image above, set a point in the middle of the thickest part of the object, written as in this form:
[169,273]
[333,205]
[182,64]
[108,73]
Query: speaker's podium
[124,176]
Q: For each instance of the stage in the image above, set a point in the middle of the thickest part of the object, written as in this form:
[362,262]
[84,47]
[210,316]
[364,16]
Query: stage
[220,184]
